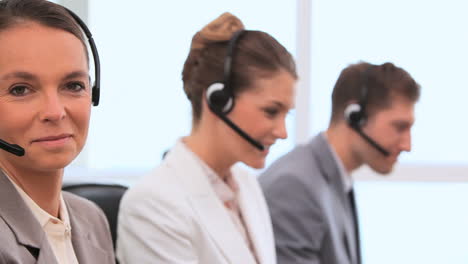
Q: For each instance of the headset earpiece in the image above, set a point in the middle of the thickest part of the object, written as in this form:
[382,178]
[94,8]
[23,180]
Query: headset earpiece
[219,99]
[95,95]
[354,115]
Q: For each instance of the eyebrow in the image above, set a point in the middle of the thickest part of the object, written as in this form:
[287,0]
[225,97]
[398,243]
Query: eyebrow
[402,123]
[21,75]
[280,104]
[30,77]
[76,74]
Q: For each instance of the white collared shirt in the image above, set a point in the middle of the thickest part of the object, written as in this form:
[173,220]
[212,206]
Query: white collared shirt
[58,231]
[345,177]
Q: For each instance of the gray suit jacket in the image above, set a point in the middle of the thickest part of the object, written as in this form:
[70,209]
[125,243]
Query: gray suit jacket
[23,240]
[311,214]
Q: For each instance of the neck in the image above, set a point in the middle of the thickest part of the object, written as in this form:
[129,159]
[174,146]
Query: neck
[204,144]
[339,137]
[43,188]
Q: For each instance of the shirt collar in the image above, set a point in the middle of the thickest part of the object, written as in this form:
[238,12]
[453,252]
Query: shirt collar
[225,190]
[42,216]
[346,178]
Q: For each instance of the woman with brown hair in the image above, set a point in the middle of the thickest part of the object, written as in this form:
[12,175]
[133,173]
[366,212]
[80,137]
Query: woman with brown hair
[45,107]
[198,206]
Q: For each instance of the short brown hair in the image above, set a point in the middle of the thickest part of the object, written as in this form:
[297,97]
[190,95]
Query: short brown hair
[383,83]
[257,54]
[14,12]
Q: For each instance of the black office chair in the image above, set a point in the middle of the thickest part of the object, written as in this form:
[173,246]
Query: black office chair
[106,196]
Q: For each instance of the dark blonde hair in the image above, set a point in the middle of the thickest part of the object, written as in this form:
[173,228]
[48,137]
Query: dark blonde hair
[14,12]
[257,55]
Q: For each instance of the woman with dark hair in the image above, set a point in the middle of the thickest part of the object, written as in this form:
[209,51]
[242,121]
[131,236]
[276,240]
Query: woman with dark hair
[45,105]
[198,206]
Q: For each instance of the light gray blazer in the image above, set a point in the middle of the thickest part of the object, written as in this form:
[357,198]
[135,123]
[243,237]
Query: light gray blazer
[311,214]
[23,240]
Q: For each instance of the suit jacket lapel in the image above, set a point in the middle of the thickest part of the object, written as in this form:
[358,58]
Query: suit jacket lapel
[207,206]
[23,223]
[85,248]
[46,255]
[331,172]
[222,229]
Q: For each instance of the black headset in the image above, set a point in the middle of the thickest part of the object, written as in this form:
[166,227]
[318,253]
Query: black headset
[356,116]
[220,95]
[95,91]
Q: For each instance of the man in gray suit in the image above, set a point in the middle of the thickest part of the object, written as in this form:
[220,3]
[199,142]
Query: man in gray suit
[310,191]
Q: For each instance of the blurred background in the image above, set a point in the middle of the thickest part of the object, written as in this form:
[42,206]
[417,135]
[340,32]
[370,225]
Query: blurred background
[414,215]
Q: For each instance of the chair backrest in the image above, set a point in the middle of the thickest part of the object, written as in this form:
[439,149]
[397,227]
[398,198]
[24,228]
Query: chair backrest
[106,196]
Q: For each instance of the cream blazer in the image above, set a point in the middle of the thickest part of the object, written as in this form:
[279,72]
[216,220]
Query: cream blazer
[173,216]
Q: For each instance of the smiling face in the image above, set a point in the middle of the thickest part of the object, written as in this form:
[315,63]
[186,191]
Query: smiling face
[261,112]
[45,97]
[391,128]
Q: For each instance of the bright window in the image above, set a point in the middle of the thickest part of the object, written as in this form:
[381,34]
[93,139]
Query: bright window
[143,46]
[405,221]
[427,38]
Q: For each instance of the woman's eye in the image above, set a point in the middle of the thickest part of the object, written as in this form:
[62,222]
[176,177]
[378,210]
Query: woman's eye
[271,112]
[75,86]
[19,90]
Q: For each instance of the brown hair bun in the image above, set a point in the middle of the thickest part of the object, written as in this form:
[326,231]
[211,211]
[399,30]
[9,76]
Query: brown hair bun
[220,29]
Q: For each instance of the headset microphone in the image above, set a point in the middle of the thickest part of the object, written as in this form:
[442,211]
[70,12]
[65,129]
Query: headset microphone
[12,148]
[355,115]
[372,142]
[220,97]
[214,97]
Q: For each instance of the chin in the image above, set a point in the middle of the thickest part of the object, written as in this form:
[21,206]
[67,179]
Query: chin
[255,163]
[384,170]
[53,162]
[52,165]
